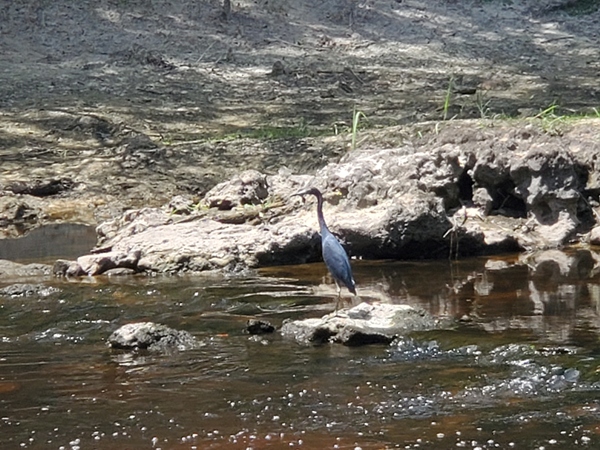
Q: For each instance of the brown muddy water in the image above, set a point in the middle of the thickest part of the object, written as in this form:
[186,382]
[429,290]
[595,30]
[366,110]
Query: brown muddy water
[519,370]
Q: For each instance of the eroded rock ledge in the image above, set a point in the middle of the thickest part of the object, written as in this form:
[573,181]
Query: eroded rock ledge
[465,192]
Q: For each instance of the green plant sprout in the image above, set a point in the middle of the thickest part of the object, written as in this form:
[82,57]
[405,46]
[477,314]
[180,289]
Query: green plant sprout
[356,115]
[548,112]
[483,104]
[448,98]
[550,119]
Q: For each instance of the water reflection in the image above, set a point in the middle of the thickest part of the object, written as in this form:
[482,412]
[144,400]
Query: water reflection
[50,242]
[519,369]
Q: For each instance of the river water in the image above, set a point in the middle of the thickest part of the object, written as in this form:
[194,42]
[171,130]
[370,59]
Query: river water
[520,367]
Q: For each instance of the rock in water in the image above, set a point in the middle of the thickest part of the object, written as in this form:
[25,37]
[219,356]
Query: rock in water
[361,325]
[9,269]
[257,326]
[151,336]
[28,290]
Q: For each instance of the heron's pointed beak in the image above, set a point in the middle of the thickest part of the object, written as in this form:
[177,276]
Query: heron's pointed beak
[299,194]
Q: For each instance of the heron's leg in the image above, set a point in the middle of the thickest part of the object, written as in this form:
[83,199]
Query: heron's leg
[339,297]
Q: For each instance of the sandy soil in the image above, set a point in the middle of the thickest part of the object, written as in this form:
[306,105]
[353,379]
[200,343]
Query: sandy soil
[132,102]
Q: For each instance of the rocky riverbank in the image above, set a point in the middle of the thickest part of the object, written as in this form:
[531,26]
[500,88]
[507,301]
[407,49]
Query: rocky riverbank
[461,192]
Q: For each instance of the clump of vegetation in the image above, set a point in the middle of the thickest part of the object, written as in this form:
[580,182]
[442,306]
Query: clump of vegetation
[483,104]
[356,115]
[552,118]
[448,98]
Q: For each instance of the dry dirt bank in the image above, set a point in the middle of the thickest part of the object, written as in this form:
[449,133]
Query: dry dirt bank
[127,103]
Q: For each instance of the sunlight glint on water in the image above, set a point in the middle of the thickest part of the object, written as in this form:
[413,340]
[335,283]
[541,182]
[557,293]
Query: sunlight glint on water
[519,369]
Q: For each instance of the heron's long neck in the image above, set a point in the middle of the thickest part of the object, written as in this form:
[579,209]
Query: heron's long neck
[322,224]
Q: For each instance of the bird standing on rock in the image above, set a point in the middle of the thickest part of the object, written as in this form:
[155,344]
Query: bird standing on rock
[334,255]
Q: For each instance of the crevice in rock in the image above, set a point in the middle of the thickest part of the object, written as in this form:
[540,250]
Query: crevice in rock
[465,188]
[505,202]
[590,200]
[545,214]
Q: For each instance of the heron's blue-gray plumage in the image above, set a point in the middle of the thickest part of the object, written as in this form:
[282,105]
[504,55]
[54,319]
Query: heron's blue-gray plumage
[337,261]
[335,257]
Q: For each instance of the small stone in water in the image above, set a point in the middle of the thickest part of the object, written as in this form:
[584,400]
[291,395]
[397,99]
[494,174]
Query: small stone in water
[571,375]
[256,326]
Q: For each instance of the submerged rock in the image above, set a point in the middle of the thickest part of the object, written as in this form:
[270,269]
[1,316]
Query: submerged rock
[530,374]
[360,325]
[13,269]
[257,326]
[28,290]
[151,336]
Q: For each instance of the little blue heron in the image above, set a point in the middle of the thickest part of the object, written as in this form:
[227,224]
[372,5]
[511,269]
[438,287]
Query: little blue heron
[334,255]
